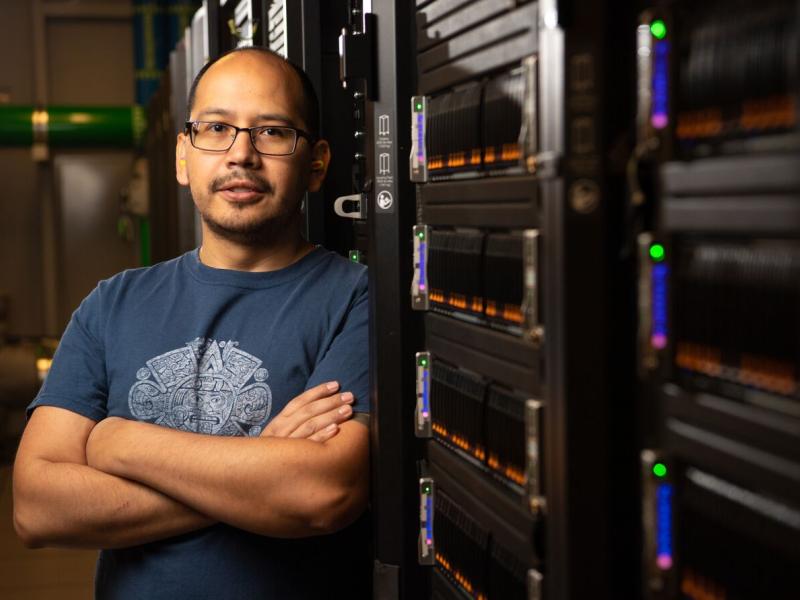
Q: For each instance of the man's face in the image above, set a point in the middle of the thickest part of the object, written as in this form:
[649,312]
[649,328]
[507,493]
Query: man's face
[241,194]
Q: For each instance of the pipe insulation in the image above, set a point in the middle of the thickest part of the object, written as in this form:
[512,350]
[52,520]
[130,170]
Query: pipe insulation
[72,126]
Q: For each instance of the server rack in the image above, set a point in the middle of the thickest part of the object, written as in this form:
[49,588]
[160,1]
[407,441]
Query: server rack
[718,200]
[508,383]
[489,162]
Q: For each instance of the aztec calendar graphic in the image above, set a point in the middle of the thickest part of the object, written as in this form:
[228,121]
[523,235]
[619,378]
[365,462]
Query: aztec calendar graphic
[203,388]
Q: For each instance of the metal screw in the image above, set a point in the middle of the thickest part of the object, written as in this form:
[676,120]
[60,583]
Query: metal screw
[584,196]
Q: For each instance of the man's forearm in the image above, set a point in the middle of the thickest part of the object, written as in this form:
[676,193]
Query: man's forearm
[65,504]
[272,486]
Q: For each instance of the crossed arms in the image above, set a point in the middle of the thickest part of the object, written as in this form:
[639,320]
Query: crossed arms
[118,483]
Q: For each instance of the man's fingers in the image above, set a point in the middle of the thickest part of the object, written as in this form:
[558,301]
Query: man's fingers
[300,418]
[325,434]
[318,392]
[334,416]
[310,418]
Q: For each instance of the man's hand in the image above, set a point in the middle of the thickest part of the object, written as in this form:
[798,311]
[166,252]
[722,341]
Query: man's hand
[315,414]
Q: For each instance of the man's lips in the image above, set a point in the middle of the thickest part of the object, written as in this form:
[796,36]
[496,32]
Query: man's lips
[241,191]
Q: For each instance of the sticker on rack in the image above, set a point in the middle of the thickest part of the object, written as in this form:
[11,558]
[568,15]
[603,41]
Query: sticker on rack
[384,164]
[385,200]
[383,125]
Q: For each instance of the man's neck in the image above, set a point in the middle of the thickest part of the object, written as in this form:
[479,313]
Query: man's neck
[220,253]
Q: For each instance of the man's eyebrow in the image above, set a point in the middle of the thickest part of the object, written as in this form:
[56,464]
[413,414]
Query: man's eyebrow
[222,112]
[275,117]
[215,111]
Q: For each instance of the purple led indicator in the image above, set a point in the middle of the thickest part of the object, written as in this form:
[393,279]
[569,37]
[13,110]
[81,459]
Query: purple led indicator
[659,120]
[425,413]
[422,287]
[664,562]
[658,341]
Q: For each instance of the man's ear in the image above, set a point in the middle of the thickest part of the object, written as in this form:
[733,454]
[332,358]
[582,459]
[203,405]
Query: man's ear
[180,159]
[320,159]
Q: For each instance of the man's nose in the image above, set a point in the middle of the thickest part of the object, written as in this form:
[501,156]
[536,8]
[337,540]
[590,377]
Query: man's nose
[242,152]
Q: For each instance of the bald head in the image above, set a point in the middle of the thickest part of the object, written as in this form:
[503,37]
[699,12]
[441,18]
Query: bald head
[308,104]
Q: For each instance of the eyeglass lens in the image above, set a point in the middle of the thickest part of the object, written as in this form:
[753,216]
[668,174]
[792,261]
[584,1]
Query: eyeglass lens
[267,140]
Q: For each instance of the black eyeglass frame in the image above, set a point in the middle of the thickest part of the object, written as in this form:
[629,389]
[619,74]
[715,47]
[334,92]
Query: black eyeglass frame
[298,133]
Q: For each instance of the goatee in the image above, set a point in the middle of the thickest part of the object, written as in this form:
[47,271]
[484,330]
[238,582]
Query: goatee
[257,233]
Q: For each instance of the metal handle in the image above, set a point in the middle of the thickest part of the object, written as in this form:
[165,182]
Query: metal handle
[360,201]
[533,463]
[419,282]
[426,548]
[530,278]
[422,412]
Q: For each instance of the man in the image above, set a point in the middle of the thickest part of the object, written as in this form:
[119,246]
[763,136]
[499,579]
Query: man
[155,435]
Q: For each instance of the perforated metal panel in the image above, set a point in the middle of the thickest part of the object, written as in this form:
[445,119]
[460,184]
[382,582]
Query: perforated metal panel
[277,27]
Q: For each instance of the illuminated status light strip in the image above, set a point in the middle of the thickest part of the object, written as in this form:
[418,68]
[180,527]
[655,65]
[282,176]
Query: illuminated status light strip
[421,137]
[659,115]
[664,526]
[658,335]
[426,393]
[426,547]
[422,266]
[429,519]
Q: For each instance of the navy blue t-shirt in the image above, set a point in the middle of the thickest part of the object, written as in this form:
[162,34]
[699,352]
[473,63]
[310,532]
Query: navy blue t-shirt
[219,352]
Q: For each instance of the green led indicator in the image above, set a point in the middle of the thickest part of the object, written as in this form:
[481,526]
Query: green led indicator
[660,470]
[423,362]
[657,252]
[426,490]
[658,29]
[421,235]
[418,106]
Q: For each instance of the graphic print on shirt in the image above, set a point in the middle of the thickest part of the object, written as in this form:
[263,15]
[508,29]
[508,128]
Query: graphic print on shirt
[201,388]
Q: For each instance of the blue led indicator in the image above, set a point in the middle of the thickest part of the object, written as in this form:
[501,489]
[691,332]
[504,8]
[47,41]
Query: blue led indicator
[420,137]
[422,282]
[425,394]
[659,116]
[658,336]
[664,526]
[429,519]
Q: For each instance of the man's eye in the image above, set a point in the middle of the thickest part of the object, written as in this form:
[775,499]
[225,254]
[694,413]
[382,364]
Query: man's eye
[214,128]
[274,132]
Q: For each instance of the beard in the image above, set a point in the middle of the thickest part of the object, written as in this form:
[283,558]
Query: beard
[255,232]
[262,230]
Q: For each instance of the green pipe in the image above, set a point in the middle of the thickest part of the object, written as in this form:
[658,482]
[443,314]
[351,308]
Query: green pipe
[16,125]
[72,126]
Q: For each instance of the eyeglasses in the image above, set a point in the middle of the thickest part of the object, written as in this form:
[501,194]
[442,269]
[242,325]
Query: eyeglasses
[272,140]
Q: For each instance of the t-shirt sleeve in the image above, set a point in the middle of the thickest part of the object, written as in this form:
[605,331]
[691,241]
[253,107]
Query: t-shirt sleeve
[77,377]
[347,357]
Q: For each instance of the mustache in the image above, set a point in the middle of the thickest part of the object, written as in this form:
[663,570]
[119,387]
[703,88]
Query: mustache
[258,182]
